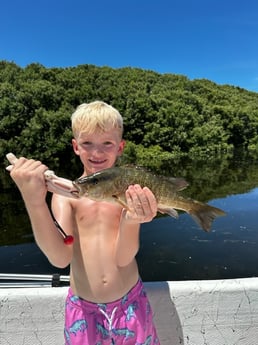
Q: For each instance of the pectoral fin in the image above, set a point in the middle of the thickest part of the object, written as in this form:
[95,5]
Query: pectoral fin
[170,211]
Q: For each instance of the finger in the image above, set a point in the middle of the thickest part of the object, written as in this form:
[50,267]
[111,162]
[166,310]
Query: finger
[129,199]
[9,168]
[146,199]
[30,164]
[138,199]
[142,196]
[132,200]
[151,200]
[11,158]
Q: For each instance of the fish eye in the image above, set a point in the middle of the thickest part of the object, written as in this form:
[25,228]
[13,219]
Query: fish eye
[94,181]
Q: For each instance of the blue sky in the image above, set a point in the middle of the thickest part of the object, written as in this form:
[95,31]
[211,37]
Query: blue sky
[211,39]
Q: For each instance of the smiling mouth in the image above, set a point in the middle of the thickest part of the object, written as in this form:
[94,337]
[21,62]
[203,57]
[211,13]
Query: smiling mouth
[96,162]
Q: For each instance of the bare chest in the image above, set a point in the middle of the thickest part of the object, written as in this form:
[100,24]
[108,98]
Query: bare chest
[89,214]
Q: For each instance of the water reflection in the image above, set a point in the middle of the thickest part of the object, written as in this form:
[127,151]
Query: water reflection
[170,249]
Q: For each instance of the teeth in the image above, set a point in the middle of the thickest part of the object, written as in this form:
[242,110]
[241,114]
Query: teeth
[94,161]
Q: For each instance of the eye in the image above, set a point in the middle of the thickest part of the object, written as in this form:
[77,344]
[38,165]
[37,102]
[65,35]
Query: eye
[86,143]
[94,181]
[108,143]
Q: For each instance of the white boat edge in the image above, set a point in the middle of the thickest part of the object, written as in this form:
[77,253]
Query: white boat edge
[198,312]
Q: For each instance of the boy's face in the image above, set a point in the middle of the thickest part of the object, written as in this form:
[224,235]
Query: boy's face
[98,150]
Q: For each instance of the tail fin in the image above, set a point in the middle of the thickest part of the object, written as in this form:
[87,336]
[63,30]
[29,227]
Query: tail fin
[204,215]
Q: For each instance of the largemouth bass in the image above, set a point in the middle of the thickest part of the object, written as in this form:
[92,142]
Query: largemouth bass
[110,185]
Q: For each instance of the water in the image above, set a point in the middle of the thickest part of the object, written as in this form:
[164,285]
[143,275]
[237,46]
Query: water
[171,249]
[179,250]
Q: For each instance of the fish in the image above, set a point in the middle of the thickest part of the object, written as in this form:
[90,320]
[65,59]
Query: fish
[111,184]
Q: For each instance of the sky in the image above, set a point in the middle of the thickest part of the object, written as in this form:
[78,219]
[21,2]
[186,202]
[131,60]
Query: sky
[211,39]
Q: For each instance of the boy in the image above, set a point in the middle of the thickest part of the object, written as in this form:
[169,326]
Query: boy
[106,302]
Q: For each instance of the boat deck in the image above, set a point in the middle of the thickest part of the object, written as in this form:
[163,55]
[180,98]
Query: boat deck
[212,312]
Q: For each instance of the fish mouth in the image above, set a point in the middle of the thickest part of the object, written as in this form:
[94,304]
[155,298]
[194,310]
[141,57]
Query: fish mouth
[75,193]
[78,194]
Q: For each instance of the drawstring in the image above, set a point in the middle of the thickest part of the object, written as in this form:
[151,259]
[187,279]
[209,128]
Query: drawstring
[110,322]
[109,319]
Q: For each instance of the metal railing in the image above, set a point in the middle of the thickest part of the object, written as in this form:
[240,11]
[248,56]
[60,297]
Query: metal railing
[33,280]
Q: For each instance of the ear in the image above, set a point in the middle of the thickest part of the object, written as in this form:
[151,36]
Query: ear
[75,147]
[121,147]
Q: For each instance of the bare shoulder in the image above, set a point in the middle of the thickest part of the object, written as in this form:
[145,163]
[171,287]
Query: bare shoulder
[69,207]
[60,201]
[62,207]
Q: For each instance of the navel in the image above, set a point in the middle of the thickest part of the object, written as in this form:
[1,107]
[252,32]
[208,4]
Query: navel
[104,280]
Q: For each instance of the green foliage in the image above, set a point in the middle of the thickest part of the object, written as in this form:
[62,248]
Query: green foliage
[153,157]
[166,116]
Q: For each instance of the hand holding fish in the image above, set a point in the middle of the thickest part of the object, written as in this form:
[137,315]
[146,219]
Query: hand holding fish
[141,204]
[53,183]
[29,178]
[34,180]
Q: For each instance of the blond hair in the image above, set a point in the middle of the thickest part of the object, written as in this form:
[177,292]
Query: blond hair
[96,116]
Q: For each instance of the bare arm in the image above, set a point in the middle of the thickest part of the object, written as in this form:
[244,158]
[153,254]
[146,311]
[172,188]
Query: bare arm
[142,208]
[28,175]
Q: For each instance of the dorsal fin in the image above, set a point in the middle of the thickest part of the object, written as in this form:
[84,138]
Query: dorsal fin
[179,182]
